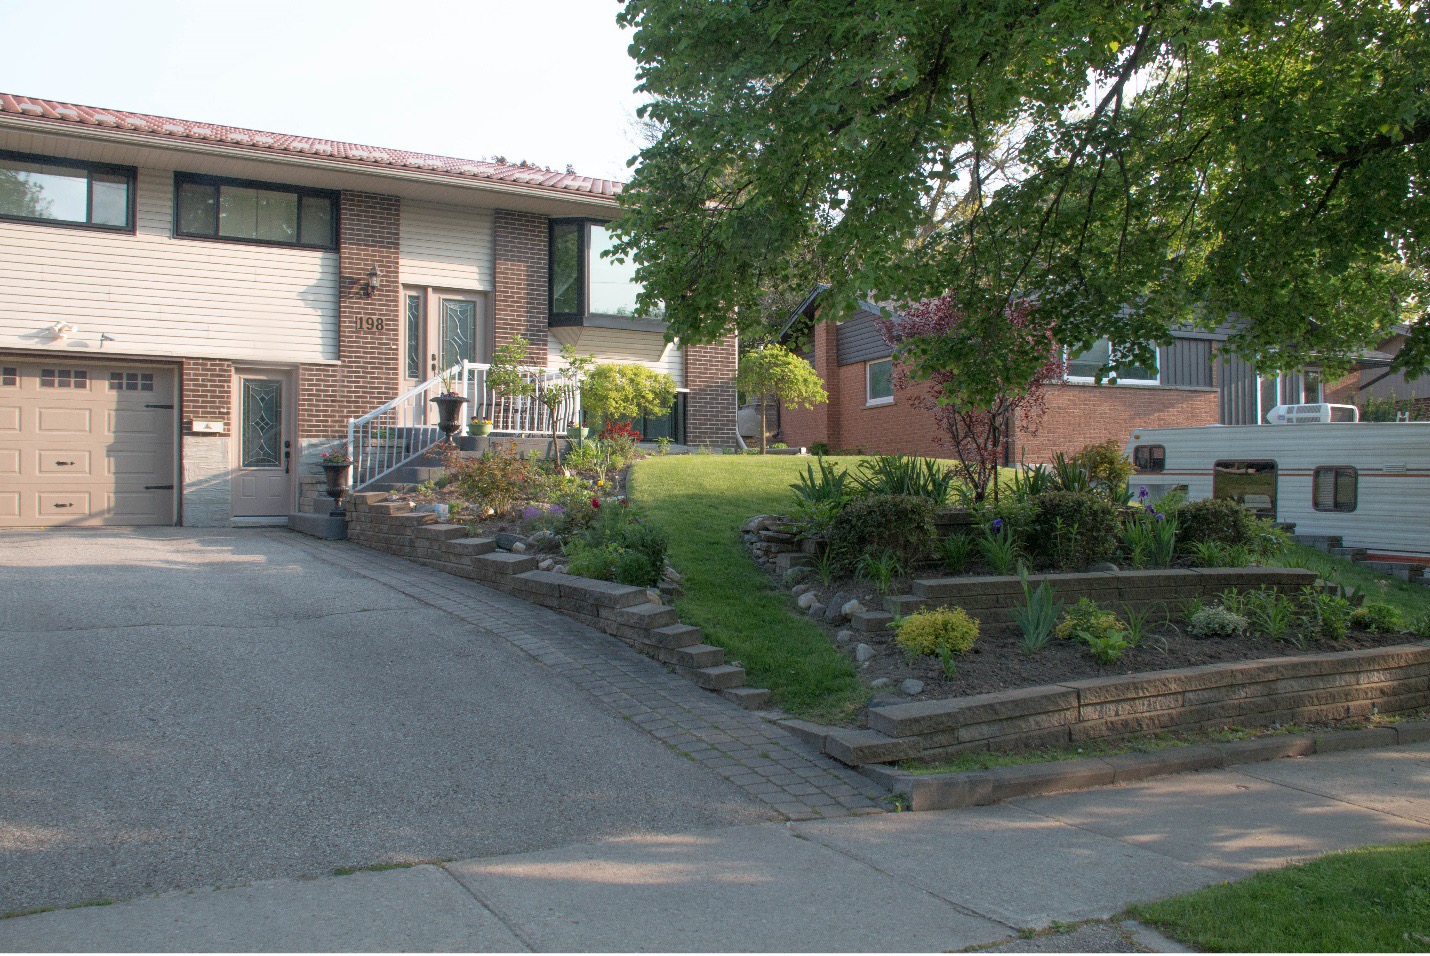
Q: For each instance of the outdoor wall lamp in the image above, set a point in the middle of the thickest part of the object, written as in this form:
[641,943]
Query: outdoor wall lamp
[374,282]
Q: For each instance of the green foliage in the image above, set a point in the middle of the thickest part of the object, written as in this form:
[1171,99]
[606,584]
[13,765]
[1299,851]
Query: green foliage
[1377,617]
[904,475]
[1420,624]
[1151,538]
[498,478]
[999,550]
[635,568]
[957,551]
[1216,521]
[1106,466]
[1108,648]
[1087,622]
[899,524]
[1072,528]
[505,377]
[1038,615]
[944,633]
[1271,613]
[618,545]
[773,370]
[1210,554]
[1390,409]
[1215,620]
[616,391]
[1324,616]
[1139,623]
[1260,160]
[879,569]
[819,497]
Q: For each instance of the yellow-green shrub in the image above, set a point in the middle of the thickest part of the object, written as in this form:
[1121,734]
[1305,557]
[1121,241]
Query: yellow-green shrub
[1086,620]
[942,633]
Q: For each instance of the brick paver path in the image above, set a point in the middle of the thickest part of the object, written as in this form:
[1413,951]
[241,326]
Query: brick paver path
[751,752]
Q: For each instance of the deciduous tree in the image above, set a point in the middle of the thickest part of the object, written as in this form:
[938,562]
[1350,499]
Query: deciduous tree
[773,370]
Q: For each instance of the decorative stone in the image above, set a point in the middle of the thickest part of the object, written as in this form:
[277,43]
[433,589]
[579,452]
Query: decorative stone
[816,610]
[880,682]
[807,599]
[844,637]
[864,652]
[796,576]
[546,564]
[912,687]
[852,608]
[800,590]
[544,541]
[518,547]
[672,575]
[1103,566]
[505,539]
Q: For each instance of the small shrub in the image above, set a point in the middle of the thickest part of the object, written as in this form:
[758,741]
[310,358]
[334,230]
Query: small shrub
[1377,617]
[498,478]
[1216,521]
[998,548]
[624,430]
[1325,616]
[899,524]
[1038,615]
[1072,528]
[819,496]
[635,568]
[1109,648]
[1420,625]
[587,561]
[1085,620]
[1214,620]
[1271,613]
[944,633]
[879,569]
[604,549]
[1210,554]
[957,551]
[905,475]
[1106,465]
[1267,540]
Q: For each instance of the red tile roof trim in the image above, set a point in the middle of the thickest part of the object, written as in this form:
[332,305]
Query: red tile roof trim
[248,140]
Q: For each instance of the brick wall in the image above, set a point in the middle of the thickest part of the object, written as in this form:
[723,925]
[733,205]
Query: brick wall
[369,326]
[1079,415]
[710,406]
[519,306]
[207,392]
[802,427]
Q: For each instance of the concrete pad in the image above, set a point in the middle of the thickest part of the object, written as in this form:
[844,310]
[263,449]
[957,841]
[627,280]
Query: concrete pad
[749,888]
[1044,870]
[421,908]
[1393,780]
[1225,820]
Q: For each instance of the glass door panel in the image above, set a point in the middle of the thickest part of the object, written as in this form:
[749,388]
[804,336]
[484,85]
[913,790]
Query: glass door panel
[458,332]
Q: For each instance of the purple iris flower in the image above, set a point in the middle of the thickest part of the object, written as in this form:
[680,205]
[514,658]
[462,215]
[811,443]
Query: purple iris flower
[1142,493]
[1160,516]
[997,525]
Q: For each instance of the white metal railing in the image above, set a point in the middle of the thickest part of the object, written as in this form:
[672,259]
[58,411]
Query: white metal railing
[394,434]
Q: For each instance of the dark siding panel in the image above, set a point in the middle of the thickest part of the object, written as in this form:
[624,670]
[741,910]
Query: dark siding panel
[860,341]
[1187,362]
[1238,391]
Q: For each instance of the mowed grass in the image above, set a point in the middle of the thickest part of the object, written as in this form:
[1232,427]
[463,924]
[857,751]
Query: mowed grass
[701,501]
[1371,900]
[1411,600]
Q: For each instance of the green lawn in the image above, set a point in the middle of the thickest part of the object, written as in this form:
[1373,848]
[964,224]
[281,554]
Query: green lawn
[701,501]
[1364,901]
[1411,599]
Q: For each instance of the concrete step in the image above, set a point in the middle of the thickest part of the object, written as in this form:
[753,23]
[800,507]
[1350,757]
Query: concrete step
[319,526]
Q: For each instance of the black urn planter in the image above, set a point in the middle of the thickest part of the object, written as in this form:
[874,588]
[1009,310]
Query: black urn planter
[337,477]
[448,407]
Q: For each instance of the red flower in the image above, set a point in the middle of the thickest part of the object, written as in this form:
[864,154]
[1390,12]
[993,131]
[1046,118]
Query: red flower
[595,502]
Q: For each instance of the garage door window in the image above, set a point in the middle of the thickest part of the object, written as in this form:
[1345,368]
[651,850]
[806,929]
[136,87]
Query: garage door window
[64,378]
[131,381]
[9,376]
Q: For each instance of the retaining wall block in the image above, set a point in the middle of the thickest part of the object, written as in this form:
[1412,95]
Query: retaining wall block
[720,677]
[443,532]
[676,635]
[470,546]
[644,616]
[501,562]
[927,716]
[604,593]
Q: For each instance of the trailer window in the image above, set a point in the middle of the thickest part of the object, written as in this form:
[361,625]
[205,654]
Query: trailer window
[1251,484]
[1334,488]
[1149,458]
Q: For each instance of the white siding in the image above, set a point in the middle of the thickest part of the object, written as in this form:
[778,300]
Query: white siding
[616,345]
[157,295]
[449,247]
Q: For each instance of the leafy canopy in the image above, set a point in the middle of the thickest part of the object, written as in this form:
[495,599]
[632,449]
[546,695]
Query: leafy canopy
[775,370]
[1130,165]
[614,391]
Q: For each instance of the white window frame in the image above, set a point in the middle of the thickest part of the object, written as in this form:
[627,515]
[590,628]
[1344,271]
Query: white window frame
[1112,377]
[1262,410]
[869,400]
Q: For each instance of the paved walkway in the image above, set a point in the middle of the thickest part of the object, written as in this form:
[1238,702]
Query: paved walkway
[765,761]
[890,882]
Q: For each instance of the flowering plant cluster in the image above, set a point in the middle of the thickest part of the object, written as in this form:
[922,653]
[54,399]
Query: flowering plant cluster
[619,430]
[336,458]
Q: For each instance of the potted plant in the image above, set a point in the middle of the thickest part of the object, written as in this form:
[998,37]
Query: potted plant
[449,404]
[479,426]
[337,469]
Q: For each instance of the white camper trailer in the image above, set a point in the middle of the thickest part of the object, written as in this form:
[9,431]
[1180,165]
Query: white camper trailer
[1367,482]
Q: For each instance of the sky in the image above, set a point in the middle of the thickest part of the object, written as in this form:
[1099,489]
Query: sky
[548,81]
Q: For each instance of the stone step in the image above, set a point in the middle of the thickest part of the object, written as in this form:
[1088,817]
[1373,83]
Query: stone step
[750,698]
[720,677]
[677,635]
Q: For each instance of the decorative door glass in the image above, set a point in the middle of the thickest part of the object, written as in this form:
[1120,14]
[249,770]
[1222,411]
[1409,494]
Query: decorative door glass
[414,336]
[458,331]
[262,423]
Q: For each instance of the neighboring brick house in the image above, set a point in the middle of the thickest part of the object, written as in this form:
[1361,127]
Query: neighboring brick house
[866,413]
[190,313]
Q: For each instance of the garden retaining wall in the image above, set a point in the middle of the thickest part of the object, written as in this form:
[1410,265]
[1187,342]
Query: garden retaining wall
[633,614]
[1312,688]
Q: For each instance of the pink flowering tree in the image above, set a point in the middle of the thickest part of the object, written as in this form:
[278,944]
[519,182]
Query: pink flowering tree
[978,377]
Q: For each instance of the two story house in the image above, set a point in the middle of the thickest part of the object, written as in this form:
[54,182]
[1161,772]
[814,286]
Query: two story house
[190,313]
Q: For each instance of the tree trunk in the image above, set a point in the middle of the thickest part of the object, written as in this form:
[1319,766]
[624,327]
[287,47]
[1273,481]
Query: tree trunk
[764,400]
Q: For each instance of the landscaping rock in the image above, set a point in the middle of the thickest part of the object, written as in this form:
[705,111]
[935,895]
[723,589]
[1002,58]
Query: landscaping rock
[518,547]
[806,599]
[672,575]
[912,687]
[800,590]
[1104,566]
[885,700]
[851,608]
[547,542]
[880,682]
[844,637]
[864,652]
[505,540]
[816,610]
[796,576]
[546,564]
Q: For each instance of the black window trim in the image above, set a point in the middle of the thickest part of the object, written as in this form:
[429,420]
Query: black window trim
[203,179]
[1355,498]
[583,248]
[1275,472]
[131,173]
[1148,469]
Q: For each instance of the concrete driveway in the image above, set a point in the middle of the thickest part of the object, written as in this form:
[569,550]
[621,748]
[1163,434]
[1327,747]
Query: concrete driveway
[184,709]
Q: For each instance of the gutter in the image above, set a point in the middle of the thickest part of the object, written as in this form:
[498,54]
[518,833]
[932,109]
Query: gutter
[186,145]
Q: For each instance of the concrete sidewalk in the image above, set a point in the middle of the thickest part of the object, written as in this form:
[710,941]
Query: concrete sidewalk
[914,881]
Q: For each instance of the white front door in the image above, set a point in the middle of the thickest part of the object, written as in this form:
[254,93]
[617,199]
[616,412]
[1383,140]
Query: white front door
[262,478]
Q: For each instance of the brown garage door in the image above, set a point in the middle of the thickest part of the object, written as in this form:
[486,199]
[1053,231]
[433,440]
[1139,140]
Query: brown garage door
[84,443]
